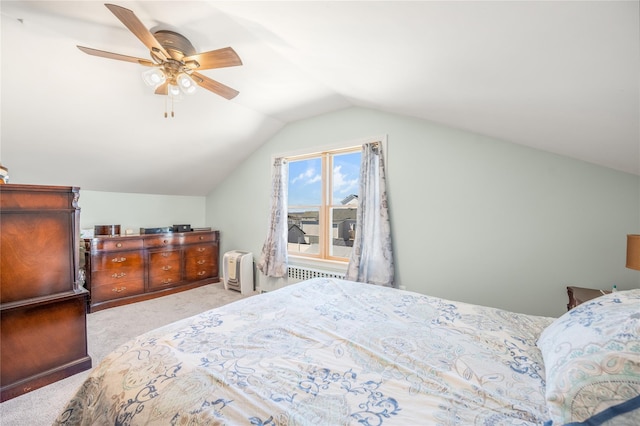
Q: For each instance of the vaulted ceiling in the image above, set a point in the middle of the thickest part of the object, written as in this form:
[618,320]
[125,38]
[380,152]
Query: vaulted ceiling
[558,76]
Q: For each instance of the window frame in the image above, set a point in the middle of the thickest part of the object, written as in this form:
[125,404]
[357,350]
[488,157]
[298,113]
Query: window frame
[323,257]
[327,203]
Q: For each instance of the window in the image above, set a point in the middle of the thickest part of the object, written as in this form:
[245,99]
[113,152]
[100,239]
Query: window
[322,203]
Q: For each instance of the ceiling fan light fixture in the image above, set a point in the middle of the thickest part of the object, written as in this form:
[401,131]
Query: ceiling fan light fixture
[174,91]
[154,77]
[186,83]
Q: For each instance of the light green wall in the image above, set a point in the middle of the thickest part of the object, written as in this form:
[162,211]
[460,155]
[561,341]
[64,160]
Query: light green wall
[473,218]
[135,211]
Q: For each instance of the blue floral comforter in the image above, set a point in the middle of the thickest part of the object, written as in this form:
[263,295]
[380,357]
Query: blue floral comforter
[325,352]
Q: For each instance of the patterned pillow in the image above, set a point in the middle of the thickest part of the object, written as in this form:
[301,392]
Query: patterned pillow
[592,361]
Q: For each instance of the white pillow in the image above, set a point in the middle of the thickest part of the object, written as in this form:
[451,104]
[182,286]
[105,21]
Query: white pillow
[592,362]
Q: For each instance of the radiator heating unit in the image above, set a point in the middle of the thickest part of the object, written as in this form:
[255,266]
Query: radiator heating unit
[237,271]
[300,273]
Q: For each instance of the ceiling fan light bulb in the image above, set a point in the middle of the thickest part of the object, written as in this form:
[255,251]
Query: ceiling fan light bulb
[174,90]
[154,77]
[186,84]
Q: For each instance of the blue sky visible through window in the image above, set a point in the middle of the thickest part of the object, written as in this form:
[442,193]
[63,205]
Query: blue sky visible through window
[305,180]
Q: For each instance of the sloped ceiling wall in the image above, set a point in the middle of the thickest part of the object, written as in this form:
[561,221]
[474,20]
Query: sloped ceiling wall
[558,76]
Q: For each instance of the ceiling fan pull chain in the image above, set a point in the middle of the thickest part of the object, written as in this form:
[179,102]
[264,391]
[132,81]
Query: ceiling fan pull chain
[166,113]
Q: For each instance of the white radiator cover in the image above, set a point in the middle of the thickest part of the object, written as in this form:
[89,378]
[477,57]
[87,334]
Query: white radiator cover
[300,273]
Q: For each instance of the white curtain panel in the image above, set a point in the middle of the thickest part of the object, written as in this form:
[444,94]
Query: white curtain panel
[371,259]
[273,259]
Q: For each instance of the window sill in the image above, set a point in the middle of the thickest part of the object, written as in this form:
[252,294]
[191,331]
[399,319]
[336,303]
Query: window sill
[322,264]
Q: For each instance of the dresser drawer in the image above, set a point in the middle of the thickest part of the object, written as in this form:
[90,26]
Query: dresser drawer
[163,240]
[195,271]
[117,260]
[207,237]
[199,250]
[101,293]
[165,275]
[114,276]
[160,257]
[106,244]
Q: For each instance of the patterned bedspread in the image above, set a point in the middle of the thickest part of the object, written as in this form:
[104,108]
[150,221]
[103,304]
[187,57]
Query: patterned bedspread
[325,352]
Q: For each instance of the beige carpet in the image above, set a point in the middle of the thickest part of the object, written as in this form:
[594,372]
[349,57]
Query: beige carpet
[106,331]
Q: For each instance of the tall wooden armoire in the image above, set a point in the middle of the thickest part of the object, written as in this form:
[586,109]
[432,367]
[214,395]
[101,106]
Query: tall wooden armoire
[43,307]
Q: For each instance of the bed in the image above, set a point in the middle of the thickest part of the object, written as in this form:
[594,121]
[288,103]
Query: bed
[336,352]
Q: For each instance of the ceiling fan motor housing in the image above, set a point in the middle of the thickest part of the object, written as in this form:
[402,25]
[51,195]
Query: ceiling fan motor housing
[175,44]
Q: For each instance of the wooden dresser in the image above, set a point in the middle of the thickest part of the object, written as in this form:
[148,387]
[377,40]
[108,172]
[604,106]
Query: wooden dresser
[126,269]
[579,295]
[43,323]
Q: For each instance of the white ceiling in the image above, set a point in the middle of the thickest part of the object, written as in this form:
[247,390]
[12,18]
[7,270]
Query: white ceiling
[559,76]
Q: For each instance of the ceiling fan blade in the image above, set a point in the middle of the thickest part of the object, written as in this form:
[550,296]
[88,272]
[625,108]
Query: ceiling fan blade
[214,86]
[163,89]
[220,58]
[103,54]
[131,21]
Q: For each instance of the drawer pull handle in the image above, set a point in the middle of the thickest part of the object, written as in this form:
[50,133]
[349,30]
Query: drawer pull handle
[165,254]
[201,273]
[201,249]
[120,275]
[118,289]
[201,238]
[165,241]
[119,259]
[166,268]
[201,262]
[118,244]
[167,281]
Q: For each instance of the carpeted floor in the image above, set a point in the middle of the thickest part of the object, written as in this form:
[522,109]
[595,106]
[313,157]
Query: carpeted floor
[106,331]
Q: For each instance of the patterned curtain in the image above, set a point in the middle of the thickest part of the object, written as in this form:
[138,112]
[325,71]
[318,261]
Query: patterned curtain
[273,259]
[371,259]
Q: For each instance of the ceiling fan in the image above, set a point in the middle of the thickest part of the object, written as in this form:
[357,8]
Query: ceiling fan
[174,62]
